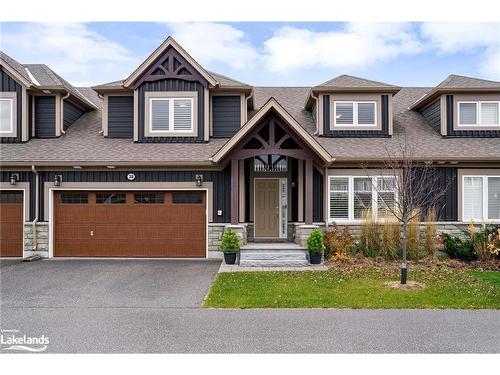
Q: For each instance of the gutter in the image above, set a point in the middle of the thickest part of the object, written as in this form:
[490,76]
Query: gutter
[35,220]
[62,113]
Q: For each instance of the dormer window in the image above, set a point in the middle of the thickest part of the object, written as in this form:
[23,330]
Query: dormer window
[171,114]
[355,113]
[478,113]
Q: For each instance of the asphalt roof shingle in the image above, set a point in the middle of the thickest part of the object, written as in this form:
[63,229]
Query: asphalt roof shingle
[348,81]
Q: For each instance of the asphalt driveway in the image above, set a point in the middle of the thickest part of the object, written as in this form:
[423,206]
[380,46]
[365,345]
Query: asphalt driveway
[106,283]
[153,306]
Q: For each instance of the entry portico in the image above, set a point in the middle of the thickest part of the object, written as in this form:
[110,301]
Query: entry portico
[272,162]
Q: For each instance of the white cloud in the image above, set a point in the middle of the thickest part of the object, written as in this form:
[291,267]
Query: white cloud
[70,49]
[480,38]
[355,45]
[215,43]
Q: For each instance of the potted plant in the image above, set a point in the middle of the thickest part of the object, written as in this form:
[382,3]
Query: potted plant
[315,246]
[230,245]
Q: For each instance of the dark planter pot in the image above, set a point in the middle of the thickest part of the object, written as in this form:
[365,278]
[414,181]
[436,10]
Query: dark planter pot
[230,257]
[315,258]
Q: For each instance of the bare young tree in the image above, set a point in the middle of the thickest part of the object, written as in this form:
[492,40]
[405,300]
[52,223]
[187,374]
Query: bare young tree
[418,186]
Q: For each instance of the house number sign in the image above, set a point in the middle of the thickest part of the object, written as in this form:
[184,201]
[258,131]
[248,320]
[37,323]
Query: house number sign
[131,176]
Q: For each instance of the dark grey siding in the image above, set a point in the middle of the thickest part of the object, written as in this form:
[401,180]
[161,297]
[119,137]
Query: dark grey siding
[8,84]
[45,116]
[221,183]
[432,114]
[226,115]
[294,190]
[24,176]
[383,133]
[318,193]
[120,116]
[71,114]
[464,133]
[172,85]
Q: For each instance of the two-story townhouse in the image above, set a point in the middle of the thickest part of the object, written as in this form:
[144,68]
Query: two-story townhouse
[158,164]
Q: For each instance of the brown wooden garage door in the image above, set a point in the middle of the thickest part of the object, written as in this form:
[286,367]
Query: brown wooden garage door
[11,223]
[130,224]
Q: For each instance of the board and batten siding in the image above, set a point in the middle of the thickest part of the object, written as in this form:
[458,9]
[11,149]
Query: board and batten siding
[71,114]
[221,183]
[172,85]
[226,115]
[382,133]
[120,116]
[8,84]
[451,132]
[318,192]
[432,114]
[45,116]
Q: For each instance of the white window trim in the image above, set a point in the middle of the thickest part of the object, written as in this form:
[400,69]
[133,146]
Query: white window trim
[355,112]
[485,199]
[478,112]
[170,115]
[350,191]
[11,130]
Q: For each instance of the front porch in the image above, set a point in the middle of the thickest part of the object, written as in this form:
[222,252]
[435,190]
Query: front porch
[277,178]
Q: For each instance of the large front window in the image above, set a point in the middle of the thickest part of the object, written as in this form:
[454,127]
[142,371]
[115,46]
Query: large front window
[481,198]
[270,163]
[171,115]
[351,197]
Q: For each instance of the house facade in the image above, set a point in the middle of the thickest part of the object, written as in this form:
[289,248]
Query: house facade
[158,164]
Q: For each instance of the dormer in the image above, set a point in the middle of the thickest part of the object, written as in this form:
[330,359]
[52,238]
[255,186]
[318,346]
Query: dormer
[348,106]
[170,97]
[35,102]
[462,107]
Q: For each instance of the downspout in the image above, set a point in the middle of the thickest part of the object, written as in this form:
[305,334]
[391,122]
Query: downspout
[35,220]
[62,113]
[316,99]
[102,129]
[248,98]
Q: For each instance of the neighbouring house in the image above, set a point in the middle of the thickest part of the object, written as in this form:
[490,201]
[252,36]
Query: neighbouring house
[157,165]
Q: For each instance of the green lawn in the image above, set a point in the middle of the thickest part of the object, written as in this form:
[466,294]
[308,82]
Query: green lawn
[356,288]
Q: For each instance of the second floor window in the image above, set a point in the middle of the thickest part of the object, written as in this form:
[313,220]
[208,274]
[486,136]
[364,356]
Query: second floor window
[355,113]
[6,115]
[478,113]
[171,115]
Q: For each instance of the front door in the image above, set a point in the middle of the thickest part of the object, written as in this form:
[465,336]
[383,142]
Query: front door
[267,207]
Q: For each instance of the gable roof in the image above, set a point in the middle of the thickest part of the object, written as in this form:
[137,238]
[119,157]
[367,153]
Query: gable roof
[457,83]
[272,104]
[46,78]
[169,42]
[16,69]
[348,83]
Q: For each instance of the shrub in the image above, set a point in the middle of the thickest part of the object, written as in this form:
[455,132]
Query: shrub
[484,240]
[337,242]
[230,241]
[369,237]
[391,238]
[413,238]
[315,241]
[430,233]
[458,248]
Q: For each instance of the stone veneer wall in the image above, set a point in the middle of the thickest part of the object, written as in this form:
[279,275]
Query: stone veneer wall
[42,235]
[215,231]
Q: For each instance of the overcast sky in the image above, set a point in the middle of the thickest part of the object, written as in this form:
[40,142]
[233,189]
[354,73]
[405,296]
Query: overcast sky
[265,54]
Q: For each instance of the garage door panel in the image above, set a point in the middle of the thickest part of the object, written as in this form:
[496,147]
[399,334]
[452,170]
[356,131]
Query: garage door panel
[11,223]
[132,224]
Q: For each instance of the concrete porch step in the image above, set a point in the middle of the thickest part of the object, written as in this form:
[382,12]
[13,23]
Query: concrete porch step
[273,255]
[274,263]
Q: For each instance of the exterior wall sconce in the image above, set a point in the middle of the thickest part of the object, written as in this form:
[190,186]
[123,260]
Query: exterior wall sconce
[57,180]
[14,178]
[199,180]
